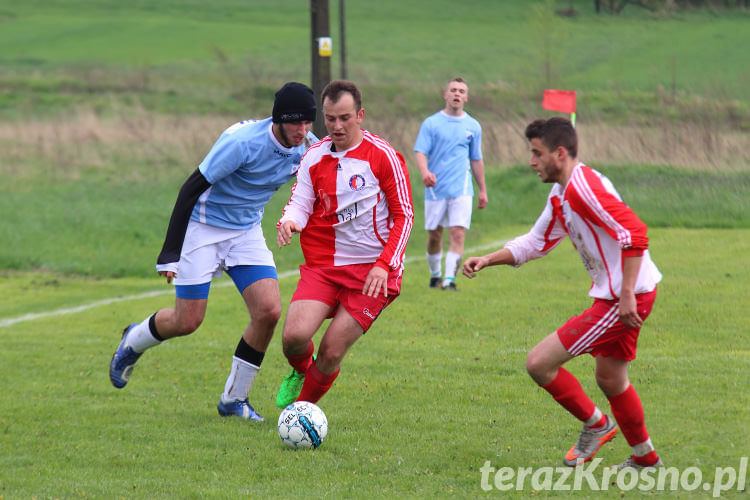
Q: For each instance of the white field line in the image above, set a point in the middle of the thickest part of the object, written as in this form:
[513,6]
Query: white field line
[156,293]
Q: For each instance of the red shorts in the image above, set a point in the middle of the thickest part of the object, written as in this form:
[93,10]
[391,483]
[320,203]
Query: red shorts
[599,331]
[343,285]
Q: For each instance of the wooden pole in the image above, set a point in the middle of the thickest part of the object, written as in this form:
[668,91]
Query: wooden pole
[320,57]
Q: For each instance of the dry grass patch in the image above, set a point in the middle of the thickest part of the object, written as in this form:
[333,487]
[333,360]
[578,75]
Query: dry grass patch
[65,147]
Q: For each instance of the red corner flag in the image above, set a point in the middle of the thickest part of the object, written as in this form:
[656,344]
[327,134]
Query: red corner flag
[563,101]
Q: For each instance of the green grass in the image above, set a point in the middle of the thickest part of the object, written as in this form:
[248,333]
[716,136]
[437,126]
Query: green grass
[438,387]
[431,393]
[197,57]
[112,228]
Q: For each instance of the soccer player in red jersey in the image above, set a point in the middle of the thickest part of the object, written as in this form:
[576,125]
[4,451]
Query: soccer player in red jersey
[352,207]
[612,243]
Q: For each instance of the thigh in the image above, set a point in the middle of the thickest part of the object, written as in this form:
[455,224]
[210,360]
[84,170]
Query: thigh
[262,295]
[340,335]
[303,319]
[190,308]
[548,354]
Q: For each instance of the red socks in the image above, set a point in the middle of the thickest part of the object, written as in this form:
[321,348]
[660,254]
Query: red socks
[568,392]
[302,362]
[316,384]
[628,412]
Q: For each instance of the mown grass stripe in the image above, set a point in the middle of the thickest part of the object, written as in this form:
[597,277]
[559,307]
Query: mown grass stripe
[114,300]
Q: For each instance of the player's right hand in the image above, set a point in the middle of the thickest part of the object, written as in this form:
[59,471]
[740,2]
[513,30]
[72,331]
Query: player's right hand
[169,274]
[285,232]
[429,179]
[473,265]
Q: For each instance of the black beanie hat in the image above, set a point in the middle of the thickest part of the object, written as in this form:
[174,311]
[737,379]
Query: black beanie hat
[294,102]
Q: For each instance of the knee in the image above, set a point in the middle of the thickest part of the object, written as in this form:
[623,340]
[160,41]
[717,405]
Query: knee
[268,315]
[610,384]
[329,358]
[292,341]
[534,364]
[434,238]
[187,325]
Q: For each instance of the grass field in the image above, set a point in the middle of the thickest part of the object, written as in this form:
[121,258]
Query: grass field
[106,107]
[434,391]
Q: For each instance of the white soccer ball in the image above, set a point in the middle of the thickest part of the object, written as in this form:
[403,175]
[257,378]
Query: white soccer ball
[302,425]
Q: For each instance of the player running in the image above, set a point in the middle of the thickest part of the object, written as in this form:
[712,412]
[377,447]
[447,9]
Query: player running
[613,245]
[216,226]
[352,206]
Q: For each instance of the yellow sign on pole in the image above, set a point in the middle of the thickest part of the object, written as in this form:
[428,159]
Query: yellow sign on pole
[325,46]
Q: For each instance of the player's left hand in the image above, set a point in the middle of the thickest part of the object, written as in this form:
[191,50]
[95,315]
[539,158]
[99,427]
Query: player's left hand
[629,311]
[376,280]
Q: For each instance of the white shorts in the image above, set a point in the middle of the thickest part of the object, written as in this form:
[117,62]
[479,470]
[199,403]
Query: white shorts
[209,250]
[450,212]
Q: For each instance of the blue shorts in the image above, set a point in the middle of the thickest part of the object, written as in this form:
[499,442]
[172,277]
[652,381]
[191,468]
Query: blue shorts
[243,276]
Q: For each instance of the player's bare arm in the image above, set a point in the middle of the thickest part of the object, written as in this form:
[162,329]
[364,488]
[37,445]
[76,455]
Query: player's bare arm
[285,232]
[477,170]
[428,178]
[473,265]
[376,280]
[628,306]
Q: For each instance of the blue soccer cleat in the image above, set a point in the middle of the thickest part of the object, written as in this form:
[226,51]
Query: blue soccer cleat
[240,408]
[123,361]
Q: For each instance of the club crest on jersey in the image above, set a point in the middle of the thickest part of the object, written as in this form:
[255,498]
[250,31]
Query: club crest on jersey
[356,182]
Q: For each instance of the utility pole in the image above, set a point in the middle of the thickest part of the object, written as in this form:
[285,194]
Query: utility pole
[342,36]
[321,51]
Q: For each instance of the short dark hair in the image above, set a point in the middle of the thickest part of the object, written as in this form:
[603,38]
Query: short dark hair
[334,90]
[554,132]
[459,80]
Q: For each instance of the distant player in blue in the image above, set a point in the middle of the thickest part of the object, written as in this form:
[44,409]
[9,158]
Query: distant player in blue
[215,226]
[448,152]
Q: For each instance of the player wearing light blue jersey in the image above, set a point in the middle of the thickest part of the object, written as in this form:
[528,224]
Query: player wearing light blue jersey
[448,152]
[215,227]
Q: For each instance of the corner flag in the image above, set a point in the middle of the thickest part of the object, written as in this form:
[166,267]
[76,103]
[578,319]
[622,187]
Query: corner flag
[563,101]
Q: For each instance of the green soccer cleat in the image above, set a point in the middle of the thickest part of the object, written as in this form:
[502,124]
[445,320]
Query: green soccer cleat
[290,388]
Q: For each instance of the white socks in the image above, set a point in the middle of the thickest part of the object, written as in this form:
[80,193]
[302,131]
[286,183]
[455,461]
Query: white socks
[643,448]
[594,418]
[433,260]
[452,261]
[240,380]
[140,338]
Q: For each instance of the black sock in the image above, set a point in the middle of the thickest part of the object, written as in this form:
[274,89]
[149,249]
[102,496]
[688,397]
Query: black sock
[152,328]
[247,353]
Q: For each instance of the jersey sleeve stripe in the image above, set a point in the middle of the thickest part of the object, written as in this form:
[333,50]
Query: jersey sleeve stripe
[403,196]
[581,184]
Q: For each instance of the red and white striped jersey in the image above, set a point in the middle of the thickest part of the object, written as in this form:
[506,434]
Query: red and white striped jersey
[353,206]
[601,227]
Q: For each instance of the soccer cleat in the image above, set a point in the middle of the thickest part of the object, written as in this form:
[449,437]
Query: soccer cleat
[589,443]
[435,282]
[240,408]
[290,388]
[451,285]
[630,463]
[123,361]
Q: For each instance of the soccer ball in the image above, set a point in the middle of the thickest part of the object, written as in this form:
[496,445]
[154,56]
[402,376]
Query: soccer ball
[302,425]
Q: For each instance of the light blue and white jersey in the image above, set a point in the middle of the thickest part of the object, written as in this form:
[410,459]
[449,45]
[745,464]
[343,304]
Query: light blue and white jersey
[245,167]
[449,142]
